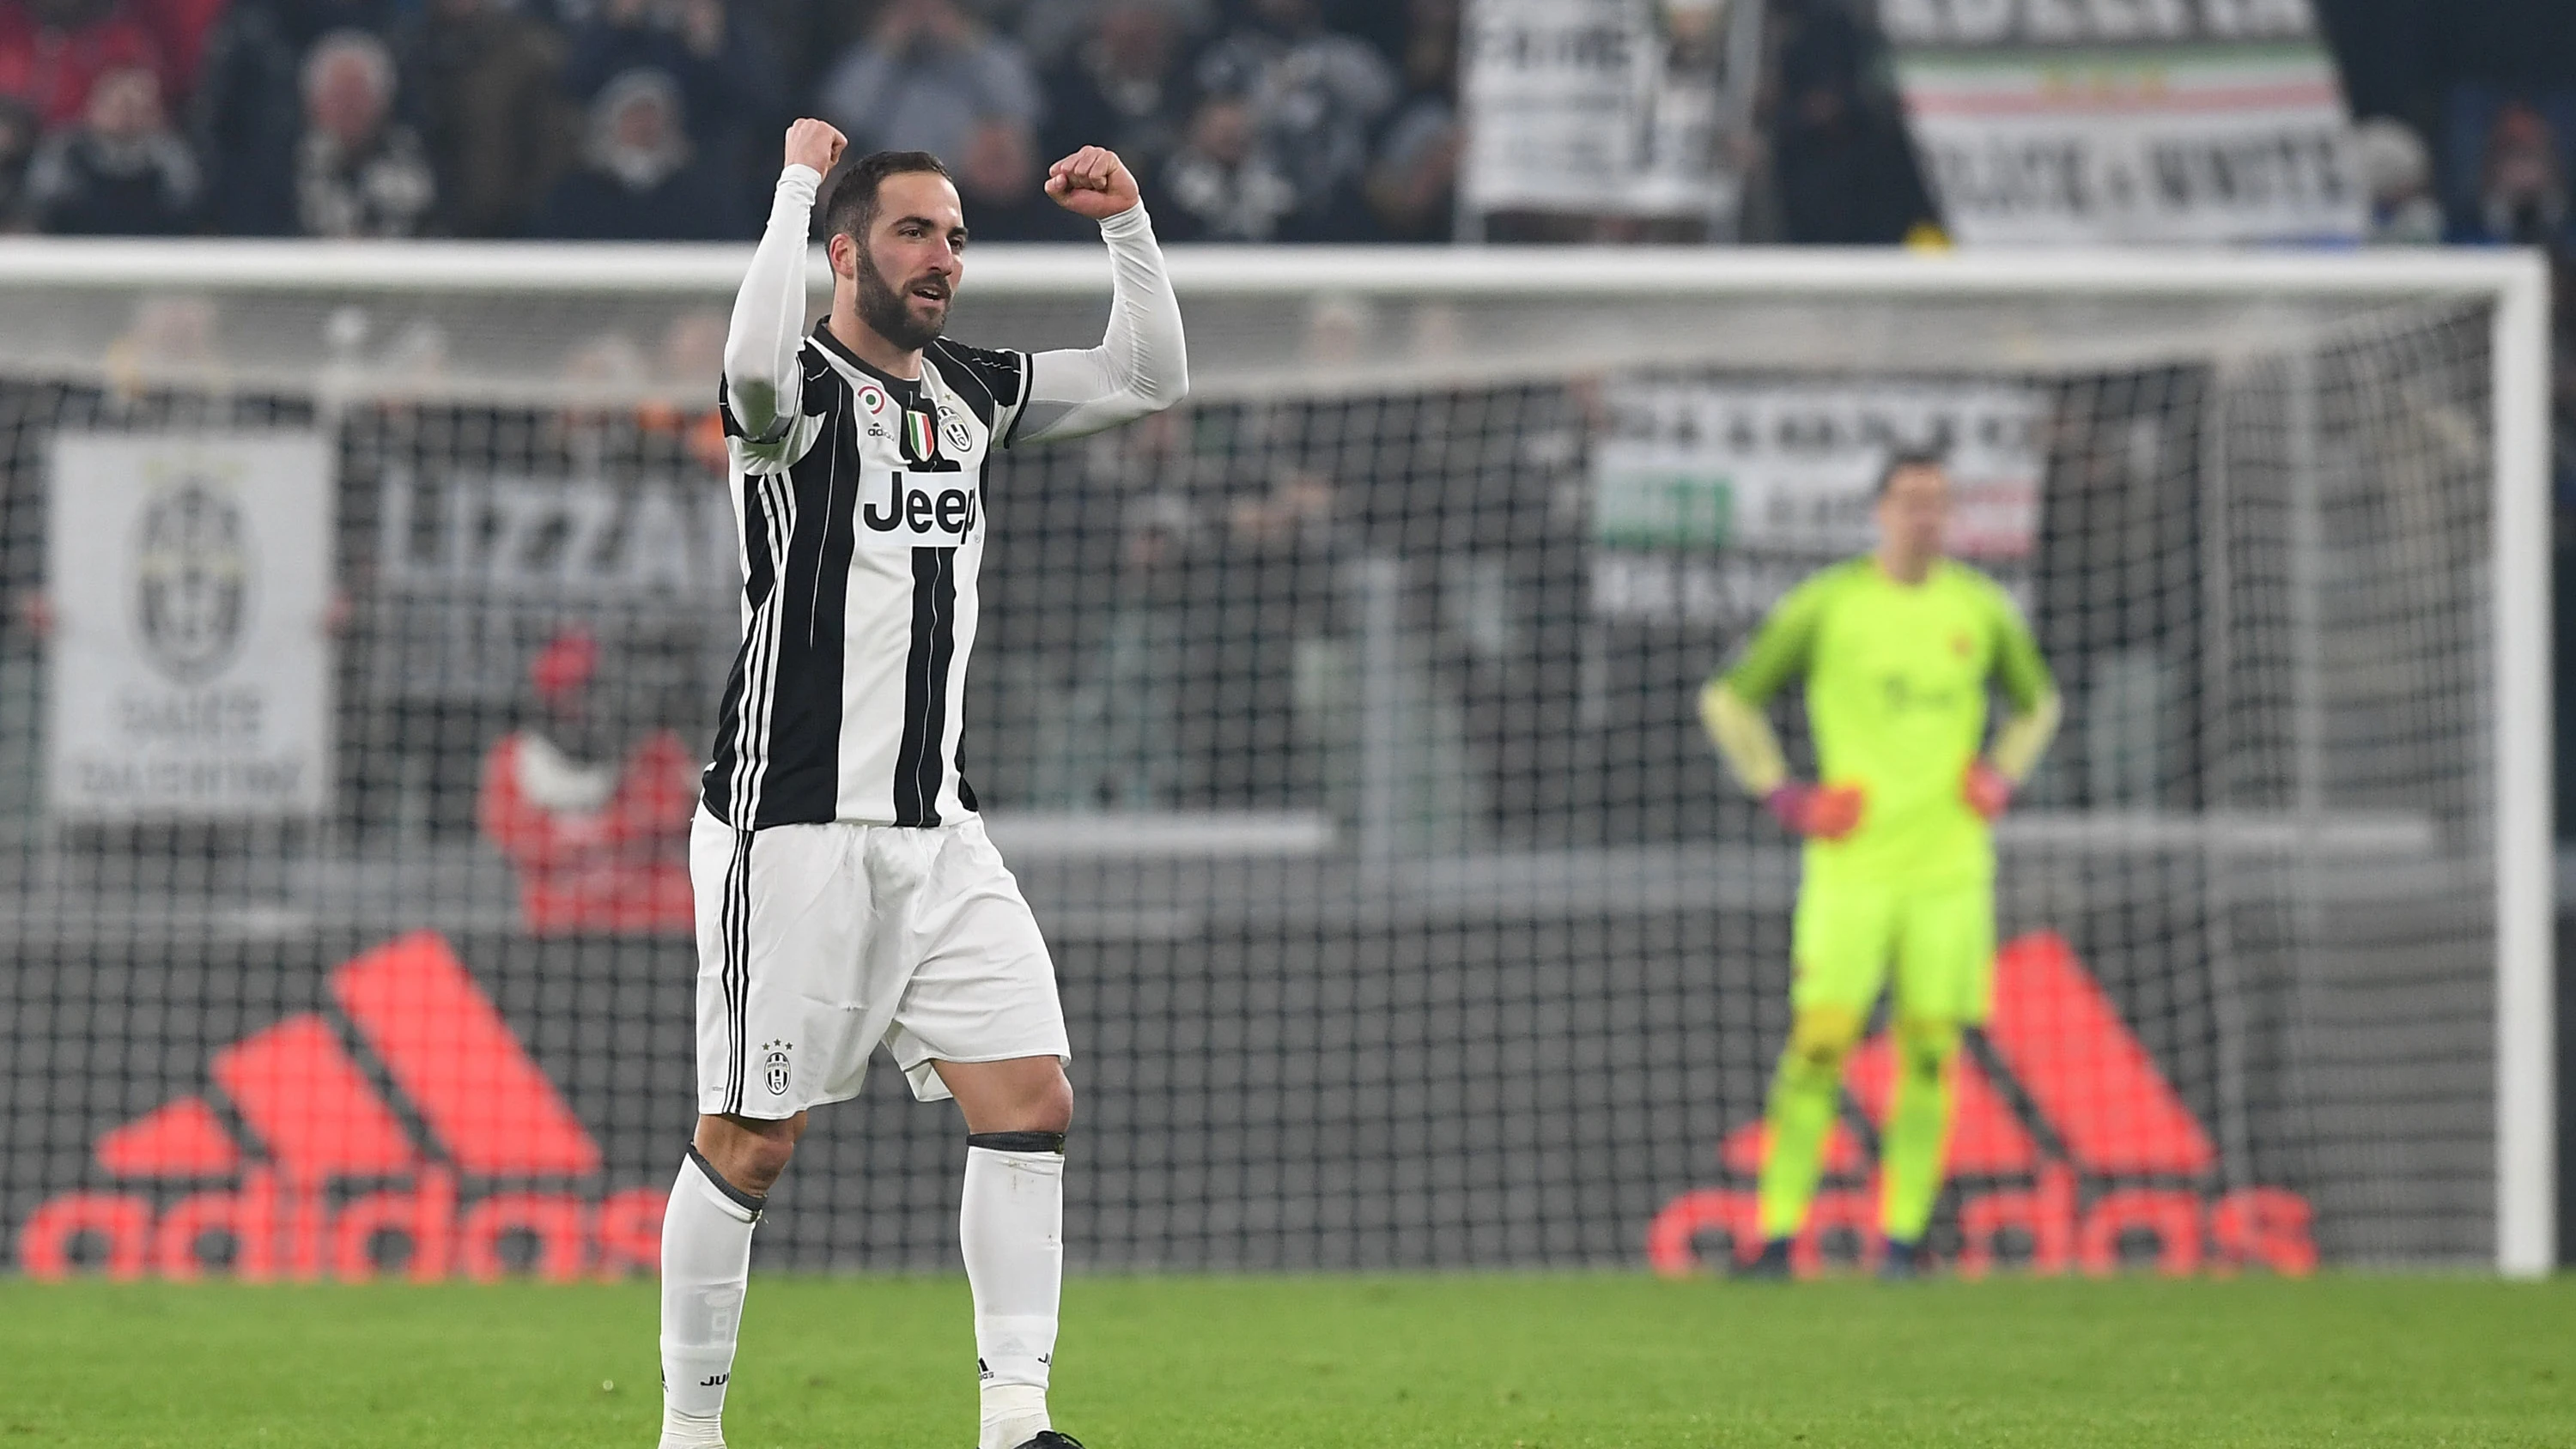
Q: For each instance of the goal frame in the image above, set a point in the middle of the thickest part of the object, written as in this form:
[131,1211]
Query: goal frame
[2514,284]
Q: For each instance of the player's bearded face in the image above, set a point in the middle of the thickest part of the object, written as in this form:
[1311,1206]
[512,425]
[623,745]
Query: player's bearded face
[910,315]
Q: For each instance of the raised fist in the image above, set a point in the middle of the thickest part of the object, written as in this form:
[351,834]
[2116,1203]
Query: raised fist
[815,143]
[1092,182]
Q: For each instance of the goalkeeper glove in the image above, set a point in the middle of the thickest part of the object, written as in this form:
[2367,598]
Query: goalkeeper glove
[1822,812]
[1986,789]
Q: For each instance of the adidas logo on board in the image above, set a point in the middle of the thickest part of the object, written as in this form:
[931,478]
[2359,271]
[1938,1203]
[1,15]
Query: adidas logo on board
[324,1170]
[2081,1146]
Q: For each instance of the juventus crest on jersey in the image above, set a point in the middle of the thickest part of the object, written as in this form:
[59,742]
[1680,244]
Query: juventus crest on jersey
[862,526]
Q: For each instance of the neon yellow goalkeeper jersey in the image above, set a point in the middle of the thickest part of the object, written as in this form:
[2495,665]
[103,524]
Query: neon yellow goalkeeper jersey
[1896,703]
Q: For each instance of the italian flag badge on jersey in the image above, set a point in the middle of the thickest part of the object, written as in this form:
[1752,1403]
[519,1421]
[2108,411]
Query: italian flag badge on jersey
[920,437]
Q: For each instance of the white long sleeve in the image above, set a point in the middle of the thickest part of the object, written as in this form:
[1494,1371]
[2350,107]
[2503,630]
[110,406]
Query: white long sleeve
[1140,367]
[764,384]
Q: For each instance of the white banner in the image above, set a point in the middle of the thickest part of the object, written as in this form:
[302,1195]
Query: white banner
[2160,144]
[190,582]
[1713,497]
[1597,106]
[475,572]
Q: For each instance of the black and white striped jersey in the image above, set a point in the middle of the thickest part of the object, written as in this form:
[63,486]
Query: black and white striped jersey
[861,502]
[862,534]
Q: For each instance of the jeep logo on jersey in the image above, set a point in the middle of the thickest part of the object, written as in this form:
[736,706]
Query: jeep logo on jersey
[947,514]
[192,572]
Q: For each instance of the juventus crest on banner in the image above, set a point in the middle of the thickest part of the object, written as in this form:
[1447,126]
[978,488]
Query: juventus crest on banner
[190,580]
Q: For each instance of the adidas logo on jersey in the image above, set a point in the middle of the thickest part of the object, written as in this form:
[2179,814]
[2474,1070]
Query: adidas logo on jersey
[333,1171]
[2081,1145]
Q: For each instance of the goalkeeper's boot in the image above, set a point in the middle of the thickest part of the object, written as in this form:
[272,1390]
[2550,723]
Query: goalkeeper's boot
[1050,1439]
[1771,1265]
[1902,1262]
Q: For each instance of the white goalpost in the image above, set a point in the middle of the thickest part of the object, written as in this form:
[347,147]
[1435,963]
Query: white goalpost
[1344,713]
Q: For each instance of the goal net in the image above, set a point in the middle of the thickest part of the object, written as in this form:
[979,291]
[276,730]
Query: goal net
[369,610]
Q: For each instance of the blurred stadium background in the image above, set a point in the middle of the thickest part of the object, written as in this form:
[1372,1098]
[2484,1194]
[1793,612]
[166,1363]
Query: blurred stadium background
[367,600]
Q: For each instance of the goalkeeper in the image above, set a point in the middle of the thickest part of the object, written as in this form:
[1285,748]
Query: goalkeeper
[1897,647]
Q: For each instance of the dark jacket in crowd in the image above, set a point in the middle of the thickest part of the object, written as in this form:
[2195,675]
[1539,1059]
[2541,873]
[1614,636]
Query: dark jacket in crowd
[734,96]
[690,204]
[485,82]
[248,114]
[81,183]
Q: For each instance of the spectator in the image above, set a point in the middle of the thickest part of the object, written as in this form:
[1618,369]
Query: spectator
[1840,161]
[597,832]
[2398,171]
[926,79]
[122,171]
[18,132]
[1316,98]
[249,113]
[53,51]
[730,82]
[640,179]
[484,80]
[1221,186]
[1120,750]
[1413,184]
[2522,193]
[1251,604]
[1123,85]
[357,171]
[812,36]
[1430,51]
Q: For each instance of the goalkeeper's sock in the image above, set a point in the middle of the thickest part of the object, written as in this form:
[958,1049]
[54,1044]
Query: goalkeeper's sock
[1800,1113]
[1918,1130]
[706,1261]
[1771,1264]
[1902,1261]
[1011,1226]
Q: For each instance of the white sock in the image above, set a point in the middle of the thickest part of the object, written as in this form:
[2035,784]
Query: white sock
[706,1261]
[1012,1228]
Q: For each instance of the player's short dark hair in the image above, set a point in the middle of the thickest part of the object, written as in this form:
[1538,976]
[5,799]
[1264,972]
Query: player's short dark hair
[1904,458]
[852,208]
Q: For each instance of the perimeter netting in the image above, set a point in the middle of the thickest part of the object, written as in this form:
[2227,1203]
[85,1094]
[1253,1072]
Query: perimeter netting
[1339,726]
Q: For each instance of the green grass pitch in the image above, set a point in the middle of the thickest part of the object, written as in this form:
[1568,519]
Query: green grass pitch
[1560,1361]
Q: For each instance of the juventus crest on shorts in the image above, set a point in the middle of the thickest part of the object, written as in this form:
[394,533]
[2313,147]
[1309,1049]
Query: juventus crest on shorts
[862,526]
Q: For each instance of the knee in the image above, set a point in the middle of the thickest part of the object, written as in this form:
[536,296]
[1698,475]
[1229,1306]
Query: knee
[762,1162]
[1048,1107]
[1927,1047]
[749,1153]
[1819,1041]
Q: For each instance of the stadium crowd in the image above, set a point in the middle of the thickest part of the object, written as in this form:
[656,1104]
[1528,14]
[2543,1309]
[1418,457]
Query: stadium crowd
[1252,120]
[1248,120]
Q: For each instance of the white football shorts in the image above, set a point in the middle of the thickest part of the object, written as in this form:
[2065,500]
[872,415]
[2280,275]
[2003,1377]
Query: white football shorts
[817,942]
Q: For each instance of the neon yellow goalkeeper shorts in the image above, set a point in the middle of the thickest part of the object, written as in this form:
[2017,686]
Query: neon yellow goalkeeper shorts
[1940,942]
